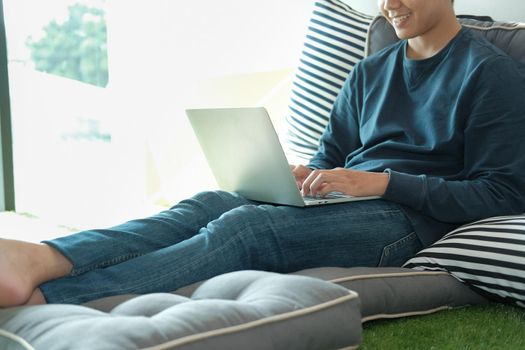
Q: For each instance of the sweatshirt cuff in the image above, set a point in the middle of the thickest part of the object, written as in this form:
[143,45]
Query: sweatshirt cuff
[405,189]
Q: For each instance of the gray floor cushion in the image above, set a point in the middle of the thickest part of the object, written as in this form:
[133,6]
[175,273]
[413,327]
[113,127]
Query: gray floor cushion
[399,292]
[239,310]
[320,308]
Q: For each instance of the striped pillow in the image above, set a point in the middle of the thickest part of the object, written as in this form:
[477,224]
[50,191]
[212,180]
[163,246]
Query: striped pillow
[488,255]
[335,42]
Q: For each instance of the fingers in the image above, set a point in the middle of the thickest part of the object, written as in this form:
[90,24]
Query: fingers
[319,183]
[322,182]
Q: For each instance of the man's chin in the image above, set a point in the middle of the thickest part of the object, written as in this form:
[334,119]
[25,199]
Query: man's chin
[403,34]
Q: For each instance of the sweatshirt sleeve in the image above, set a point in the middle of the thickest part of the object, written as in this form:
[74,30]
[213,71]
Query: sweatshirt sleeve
[494,156]
[341,136]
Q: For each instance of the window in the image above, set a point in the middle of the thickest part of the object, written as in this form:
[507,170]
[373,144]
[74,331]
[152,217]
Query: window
[98,91]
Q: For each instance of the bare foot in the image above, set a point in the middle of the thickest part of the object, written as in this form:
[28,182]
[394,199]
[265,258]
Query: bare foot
[24,266]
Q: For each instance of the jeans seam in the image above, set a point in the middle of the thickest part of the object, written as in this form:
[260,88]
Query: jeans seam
[113,261]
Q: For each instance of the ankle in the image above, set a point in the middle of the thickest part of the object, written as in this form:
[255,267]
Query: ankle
[51,263]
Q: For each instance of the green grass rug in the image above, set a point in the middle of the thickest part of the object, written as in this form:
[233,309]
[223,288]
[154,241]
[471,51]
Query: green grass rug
[491,326]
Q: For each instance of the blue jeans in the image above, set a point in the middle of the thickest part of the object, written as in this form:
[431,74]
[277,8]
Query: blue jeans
[218,232]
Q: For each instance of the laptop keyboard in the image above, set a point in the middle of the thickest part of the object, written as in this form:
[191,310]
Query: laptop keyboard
[330,195]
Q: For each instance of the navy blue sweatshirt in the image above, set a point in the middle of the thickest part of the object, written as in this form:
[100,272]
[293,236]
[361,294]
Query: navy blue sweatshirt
[450,131]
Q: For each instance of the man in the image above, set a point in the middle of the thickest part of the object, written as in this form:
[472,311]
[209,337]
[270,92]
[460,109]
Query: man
[433,124]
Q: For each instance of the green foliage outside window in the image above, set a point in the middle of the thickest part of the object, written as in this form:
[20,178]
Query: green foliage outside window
[76,48]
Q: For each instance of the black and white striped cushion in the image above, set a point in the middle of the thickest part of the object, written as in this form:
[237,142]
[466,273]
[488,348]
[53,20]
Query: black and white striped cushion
[488,255]
[335,42]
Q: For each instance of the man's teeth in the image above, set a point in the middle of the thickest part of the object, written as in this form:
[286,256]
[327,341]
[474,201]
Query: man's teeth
[399,19]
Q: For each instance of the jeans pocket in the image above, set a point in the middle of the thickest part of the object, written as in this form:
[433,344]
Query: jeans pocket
[397,253]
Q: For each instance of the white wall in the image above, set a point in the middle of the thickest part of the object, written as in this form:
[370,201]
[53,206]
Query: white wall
[510,10]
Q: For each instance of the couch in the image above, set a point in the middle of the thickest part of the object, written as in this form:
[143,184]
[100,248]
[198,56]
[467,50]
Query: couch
[321,308]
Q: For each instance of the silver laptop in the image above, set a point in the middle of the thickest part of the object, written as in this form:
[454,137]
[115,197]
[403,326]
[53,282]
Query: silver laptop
[245,156]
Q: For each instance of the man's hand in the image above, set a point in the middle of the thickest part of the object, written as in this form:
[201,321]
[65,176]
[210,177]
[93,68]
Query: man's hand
[300,172]
[348,181]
